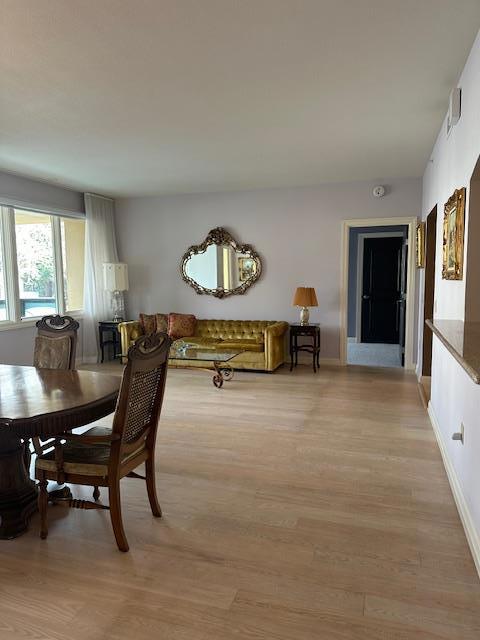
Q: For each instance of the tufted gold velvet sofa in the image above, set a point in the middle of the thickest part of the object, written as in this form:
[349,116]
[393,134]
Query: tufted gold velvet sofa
[262,341]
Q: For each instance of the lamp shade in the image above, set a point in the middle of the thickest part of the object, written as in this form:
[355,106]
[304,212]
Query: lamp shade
[305,297]
[115,276]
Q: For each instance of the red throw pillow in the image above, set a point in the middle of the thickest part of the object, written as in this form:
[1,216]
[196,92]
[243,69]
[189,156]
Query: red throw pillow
[181,325]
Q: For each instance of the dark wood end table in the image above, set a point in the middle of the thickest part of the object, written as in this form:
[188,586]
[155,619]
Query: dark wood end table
[305,330]
[109,327]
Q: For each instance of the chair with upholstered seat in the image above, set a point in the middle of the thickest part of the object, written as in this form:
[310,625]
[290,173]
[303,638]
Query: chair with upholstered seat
[56,342]
[101,457]
[55,348]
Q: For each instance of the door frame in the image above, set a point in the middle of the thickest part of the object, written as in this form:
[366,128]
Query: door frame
[431,227]
[360,253]
[411,223]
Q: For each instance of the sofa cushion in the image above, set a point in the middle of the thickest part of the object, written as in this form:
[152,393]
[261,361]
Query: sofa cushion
[233,329]
[148,322]
[242,345]
[181,325]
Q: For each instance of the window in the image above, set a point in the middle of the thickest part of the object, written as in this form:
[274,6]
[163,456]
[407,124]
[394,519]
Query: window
[35,264]
[73,254]
[3,295]
[41,264]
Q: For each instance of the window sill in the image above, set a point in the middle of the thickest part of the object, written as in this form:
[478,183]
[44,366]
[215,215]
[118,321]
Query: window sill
[31,322]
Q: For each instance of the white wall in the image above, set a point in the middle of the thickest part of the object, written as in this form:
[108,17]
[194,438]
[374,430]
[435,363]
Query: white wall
[296,231]
[455,398]
[16,345]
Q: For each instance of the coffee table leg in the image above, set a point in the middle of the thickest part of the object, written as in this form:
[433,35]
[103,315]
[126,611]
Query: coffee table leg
[223,372]
[218,380]
[18,493]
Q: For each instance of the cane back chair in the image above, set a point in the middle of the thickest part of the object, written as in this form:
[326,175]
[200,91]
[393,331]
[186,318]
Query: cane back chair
[55,348]
[100,457]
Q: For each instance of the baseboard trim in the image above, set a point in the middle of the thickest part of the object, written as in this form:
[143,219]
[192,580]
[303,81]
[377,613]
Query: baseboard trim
[304,359]
[424,388]
[471,533]
[423,395]
[331,361]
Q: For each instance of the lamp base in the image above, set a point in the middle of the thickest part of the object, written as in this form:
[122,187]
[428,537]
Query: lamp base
[304,315]
[117,306]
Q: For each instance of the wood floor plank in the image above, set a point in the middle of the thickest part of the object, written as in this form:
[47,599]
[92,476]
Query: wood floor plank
[296,507]
[446,623]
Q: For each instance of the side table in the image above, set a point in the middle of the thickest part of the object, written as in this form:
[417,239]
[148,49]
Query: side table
[311,331]
[108,334]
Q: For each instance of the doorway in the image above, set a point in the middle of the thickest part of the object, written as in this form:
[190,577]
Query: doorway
[377,293]
[379,299]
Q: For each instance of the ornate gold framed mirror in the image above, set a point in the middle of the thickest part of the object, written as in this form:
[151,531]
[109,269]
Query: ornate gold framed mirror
[220,266]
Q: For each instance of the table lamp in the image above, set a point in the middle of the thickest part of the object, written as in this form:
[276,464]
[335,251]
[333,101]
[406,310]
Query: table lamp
[305,297]
[115,280]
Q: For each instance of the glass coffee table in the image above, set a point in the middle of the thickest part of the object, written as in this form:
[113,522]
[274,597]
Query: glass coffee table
[218,358]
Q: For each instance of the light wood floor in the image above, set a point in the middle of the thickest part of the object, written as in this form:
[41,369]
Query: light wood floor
[296,507]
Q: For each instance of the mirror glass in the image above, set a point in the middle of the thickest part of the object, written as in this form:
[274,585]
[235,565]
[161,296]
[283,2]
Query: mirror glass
[220,266]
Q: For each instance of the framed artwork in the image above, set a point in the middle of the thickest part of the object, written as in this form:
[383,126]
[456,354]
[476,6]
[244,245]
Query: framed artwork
[246,269]
[420,256]
[453,234]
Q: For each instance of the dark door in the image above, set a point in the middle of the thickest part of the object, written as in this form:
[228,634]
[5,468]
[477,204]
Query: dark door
[382,289]
[402,300]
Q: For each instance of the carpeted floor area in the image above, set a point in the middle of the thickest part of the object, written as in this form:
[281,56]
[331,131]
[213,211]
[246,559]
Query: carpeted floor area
[376,355]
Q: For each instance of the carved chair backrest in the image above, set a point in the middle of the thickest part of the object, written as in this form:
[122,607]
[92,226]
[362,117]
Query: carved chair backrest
[56,326]
[141,395]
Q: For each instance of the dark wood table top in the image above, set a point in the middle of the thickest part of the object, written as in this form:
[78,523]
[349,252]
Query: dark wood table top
[48,401]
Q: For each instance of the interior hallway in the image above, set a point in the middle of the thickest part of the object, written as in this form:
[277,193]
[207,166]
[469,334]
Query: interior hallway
[296,506]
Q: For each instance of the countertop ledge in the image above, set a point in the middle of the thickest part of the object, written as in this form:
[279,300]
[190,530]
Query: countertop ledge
[462,341]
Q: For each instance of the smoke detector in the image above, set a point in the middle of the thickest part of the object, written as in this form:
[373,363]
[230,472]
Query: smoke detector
[378,191]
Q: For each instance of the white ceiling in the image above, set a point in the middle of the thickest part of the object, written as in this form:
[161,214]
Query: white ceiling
[130,97]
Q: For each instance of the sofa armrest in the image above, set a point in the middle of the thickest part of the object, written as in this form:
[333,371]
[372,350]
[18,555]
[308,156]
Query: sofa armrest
[129,332]
[275,345]
[276,329]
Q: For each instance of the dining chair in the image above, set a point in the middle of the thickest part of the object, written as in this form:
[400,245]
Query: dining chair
[55,348]
[101,457]
[56,342]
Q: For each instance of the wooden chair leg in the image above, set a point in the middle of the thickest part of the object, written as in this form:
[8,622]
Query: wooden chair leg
[116,515]
[96,493]
[42,507]
[151,487]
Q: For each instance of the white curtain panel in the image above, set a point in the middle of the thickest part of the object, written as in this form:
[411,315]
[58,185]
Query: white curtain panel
[100,247]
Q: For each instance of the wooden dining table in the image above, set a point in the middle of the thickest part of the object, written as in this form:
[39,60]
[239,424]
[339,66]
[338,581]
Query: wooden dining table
[45,403]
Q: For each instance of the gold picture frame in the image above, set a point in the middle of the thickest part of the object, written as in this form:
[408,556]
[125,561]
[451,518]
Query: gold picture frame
[420,246]
[453,236]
